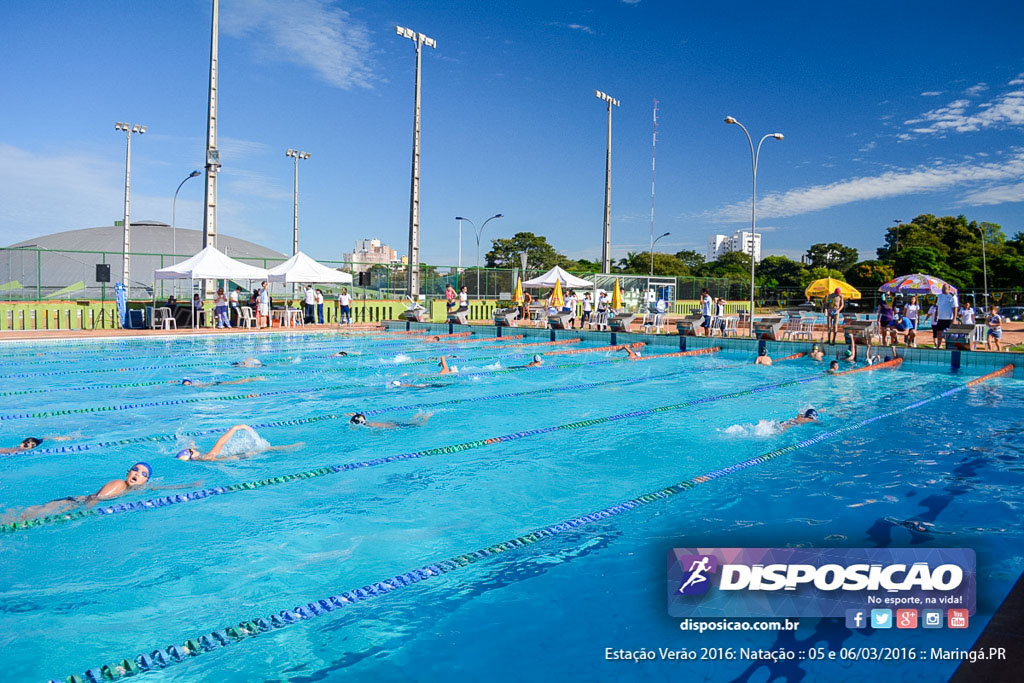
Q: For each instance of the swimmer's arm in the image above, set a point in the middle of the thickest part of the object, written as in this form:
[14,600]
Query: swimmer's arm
[112,489]
[222,441]
[58,438]
[287,447]
[245,380]
[174,487]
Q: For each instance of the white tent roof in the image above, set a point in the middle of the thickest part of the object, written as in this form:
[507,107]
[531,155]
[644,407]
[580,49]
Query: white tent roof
[211,264]
[301,268]
[548,279]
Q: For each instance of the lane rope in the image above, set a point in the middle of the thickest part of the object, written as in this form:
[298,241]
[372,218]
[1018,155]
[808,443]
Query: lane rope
[207,642]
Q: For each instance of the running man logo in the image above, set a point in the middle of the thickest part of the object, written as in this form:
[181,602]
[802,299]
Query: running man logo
[695,580]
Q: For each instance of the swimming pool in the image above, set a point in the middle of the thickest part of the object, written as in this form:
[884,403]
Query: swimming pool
[469,532]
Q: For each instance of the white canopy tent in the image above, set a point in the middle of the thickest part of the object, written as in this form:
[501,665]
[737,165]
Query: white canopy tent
[557,274]
[209,264]
[301,268]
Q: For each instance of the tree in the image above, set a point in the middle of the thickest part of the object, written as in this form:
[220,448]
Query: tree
[690,258]
[869,274]
[664,264]
[832,255]
[540,255]
[779,271]
[813,274]
[734,265]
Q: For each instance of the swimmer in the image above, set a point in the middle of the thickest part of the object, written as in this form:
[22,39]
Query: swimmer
[30,443]
[187,382]
[418,420]
[848,356]
[535,363]
[193,453]
[445,370]
[247,363]
[809,415]
[763,358]
[817,353]
[396,384]
[630,353]
[339,354]
[833,367]
[137,477]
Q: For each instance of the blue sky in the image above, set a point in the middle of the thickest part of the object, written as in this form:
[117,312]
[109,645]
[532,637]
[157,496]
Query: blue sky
[889,109]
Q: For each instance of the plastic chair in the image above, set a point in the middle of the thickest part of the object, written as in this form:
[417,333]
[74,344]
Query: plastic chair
[246,319]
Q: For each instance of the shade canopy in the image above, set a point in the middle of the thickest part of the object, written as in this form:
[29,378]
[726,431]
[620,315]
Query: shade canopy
[915,283]
[210,264]
[301,268]
[828,285]
[557,274]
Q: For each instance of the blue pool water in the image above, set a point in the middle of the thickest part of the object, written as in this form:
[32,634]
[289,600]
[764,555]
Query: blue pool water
[81,594]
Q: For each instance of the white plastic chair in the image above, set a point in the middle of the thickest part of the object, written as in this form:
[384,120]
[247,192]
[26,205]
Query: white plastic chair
[731,326]
[246,316]
[979,335]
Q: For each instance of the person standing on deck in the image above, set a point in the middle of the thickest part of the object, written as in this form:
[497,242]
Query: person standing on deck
[835,307]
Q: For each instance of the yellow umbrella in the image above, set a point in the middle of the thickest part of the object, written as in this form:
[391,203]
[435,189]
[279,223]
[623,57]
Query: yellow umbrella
[557,300]
[819,289]
[517,296]
[616,302]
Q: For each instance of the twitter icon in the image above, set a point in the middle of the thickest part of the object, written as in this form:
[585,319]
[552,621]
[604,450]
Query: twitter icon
[881,618]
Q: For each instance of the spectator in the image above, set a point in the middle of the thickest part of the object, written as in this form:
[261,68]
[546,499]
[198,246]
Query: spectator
[588,308]
[967,313]
[263,310]
[310,312]
[463,298]
[720,315]
[706,310]
[886,316]
[220,308]
[319,307]
[912,312]
[197,309]
[172,303]
[344,308]
[835,307]
[233,300]
[995,328]
[449,297]
[570,307]
[603,308]
[946,307]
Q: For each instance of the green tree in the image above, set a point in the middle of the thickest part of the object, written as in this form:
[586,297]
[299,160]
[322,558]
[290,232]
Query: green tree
[734,265]
[540,255]
[692,259]
[813,274]
[664,264]
[779,271]
[869,274]
[832,255]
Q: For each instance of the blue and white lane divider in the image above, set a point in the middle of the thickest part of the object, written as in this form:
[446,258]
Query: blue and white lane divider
[167,438]
[164,501]
[162,658]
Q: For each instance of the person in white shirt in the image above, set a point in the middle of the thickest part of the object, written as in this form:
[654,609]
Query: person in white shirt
[570,307]
[309,318]
[912,312]
[463,298]
[602,311]
[705,310]
[263,309]
[946,308]
[588,307]
[967,314]
[344,308]
[319,307]
[236,313]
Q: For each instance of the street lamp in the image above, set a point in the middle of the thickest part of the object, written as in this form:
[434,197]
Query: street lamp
[984,262]
[653,242]
[295,154]
[128,129]
[414,195]
[897,221]
[460,219]
[174,205]
[479,233]
[753,204]
[607,237]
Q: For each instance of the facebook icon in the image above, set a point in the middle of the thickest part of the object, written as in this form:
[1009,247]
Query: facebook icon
[856,618]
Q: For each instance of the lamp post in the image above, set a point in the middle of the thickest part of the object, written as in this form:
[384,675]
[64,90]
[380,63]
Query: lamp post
[414,195]
[174,206]
[753,204]
[653,242]
[984,262]
[129,129]
[479,233]
[607,237]
[897,221]
[460,219]
[295,154]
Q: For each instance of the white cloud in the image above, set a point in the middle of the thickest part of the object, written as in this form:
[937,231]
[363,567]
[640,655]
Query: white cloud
[309,33]
[1001,194]
[976,89]
[896,183]
[957,116]
[868,147]
[931,93]
[1018,80]
[582,28]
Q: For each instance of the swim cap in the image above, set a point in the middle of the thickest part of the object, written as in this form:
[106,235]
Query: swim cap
[149,468]
[31,442]
[763,351]
[536,358]
[358,419]
[849,353]
[838,290]
[811,413]
[186,381]
[184,454]
[395,383]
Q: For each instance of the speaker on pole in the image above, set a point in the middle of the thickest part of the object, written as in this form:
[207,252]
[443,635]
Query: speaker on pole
[102,272]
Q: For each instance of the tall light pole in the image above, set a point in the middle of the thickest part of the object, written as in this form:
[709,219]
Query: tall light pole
[212,153]
[414,195]
[460,219]
[897,221]
[129,129]
[753,205]
[984,263]
[174,207]
[479,233]
[653,242]
[295,154]
[606,243]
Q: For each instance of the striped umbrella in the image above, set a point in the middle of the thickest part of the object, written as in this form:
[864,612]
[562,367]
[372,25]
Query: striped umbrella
[915,283]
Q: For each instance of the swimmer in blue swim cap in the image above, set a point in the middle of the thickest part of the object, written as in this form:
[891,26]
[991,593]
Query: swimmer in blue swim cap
[192,453]
[137,477]
[806,416]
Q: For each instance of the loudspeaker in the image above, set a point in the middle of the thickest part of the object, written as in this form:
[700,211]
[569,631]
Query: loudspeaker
[102,272]
[364,278]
